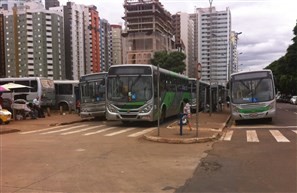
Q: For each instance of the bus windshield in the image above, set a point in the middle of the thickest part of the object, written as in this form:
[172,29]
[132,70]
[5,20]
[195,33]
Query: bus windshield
[93,91]
[252,90]
[129,88]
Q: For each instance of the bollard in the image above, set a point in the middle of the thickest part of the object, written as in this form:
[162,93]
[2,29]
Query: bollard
[181,123]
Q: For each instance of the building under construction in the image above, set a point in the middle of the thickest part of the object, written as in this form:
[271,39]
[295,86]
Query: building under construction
[148,28]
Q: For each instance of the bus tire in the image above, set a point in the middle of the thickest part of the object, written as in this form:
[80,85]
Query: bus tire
[64,107]
[163,115]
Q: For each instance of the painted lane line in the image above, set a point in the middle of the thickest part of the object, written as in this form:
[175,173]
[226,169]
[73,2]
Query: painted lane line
[81,130]
[46,129]
[228,135]
[251,136]
[142,132]
[61,130]
[295,131]
[100,131]
[119,132]
[278,136]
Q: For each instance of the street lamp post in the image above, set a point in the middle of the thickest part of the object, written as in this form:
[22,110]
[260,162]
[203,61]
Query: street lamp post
[210,59]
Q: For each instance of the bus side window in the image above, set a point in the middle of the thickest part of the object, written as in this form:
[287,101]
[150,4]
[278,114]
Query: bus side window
[33,85]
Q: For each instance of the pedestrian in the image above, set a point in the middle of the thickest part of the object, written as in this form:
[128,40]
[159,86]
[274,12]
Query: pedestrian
[37,107]
[187,112]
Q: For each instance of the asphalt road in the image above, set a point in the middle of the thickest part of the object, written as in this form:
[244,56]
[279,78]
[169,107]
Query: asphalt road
[251,157]
[115,160]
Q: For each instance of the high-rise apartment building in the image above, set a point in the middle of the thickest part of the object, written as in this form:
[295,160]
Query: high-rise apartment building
[2,48]
[148,28]
[105,45]
[74,40]
[213,49]
[184,40]
[116,33]
[51,3]
[9,4]
[92,39]
[34,43]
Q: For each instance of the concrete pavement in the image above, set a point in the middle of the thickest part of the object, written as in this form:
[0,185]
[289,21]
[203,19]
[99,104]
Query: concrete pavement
[209,127]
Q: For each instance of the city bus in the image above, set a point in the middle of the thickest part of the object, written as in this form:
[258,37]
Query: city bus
[252,95]
[203,94]
[92,95]
[40,86]
[66,94]
[132,93]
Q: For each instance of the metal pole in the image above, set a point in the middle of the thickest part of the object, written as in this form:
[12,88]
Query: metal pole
[210,60]
[158,95]
[197,106]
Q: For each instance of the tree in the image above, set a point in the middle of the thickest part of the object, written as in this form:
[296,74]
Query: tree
[285,69]
[173,61]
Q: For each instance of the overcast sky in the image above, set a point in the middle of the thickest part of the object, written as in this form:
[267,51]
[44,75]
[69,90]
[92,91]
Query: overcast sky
[266,25]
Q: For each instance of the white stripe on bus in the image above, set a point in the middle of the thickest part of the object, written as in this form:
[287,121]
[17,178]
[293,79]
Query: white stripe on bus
[142,132]
[61,130]
[81,130]
[119,132]
[278,136]
[100,131]
[251,136]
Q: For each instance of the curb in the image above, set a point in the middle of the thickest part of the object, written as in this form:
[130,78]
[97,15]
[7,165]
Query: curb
[9,131]
[183,141]
[188,140]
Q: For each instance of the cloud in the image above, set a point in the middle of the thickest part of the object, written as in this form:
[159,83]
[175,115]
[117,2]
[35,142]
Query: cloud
[266,25]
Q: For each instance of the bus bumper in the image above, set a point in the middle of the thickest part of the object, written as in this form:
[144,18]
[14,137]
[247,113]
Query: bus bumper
[92,114]
[258,115]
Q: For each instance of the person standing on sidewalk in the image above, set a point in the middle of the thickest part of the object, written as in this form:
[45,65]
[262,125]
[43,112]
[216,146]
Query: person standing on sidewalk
[37,107]
[187,111]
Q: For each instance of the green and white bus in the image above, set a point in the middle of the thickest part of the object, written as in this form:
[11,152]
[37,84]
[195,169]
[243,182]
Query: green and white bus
[252,95]
[132,93]
[92,95]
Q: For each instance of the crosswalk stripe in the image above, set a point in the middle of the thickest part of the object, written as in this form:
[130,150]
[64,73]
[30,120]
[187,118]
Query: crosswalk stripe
[100,131]
[61,130]
[81,130]
[142,132]
[251,136]
[46,129]
[278,136]
[119,132]
[228,135]
[295,131]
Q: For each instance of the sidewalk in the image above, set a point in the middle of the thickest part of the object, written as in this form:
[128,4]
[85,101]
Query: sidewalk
[210,127]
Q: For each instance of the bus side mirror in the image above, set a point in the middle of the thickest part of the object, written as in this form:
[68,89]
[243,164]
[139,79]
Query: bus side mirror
[227,86]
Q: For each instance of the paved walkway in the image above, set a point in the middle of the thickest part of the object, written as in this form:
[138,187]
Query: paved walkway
[209,127]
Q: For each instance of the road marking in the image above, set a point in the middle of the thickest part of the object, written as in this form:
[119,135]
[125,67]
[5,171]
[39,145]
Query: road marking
[228,135]
[278,136]
[100,131]
[295,131]
[142,132]
[61,130]
[46,129]
[119,132]
[81,130]
[251,136]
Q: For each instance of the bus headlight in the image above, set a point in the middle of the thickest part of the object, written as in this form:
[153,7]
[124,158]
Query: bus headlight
[111,108]
[146,108]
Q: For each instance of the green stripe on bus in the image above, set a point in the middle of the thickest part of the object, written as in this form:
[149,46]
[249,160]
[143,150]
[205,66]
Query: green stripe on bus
[255,110]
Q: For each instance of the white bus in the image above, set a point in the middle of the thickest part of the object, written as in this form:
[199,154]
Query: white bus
[203,94]
[67,94]
[40,86]
[132,93]
[252,95]
[92,95]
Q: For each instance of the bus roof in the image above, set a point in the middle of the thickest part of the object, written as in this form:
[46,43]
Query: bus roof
[248,72]
[151,66]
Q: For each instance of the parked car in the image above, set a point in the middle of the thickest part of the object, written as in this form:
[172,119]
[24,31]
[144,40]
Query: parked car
[293,100]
